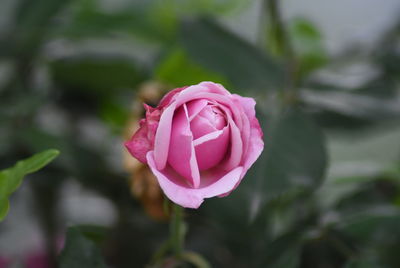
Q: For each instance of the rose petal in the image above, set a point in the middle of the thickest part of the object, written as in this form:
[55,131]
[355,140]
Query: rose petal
[195,107]
[143,139]
[213,114]
[197,92]
[181,154]
[210,136]
[236,151]
[139,145]
[256,143]
[211,148]
[236,146]
[190,197]
[201,126]
[215,88]
[161,142]
[167,99]
[246,135]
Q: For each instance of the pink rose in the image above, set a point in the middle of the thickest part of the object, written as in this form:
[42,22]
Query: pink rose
[199,142]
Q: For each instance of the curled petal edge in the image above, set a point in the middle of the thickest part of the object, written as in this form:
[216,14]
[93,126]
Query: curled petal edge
[191,197]
[255,143]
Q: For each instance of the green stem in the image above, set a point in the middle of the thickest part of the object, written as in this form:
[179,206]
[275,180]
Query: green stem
[281,41]
[277,29]
[177,229]
[177,235]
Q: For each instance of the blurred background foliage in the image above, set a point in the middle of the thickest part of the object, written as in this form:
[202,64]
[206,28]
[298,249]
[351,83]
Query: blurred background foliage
[325,193]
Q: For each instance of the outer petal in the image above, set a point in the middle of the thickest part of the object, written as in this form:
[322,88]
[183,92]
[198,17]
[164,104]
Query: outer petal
[254,138]
[255,143]
[139,145]
[180,194]
[215,88]
[143,139]
[167,99]
[182,155]
[163,134]
[236,150]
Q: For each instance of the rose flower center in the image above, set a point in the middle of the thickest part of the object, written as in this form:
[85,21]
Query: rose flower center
[210,136]
[199,140]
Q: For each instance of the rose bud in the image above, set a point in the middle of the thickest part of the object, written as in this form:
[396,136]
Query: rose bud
[199,142]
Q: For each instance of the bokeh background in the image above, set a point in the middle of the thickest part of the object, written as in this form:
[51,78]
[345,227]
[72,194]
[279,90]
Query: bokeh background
[325,74]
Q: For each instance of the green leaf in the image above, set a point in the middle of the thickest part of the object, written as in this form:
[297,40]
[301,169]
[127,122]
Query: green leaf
[151,21]
[283,252]
[219,50]
[177,69]
[307,43]
[80,251]
[374,222]
[4,208]
[296,157]
[141,19]
[374,231]
[100,73]
[362,263]
[215,7]
[11,178]
[290,258]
